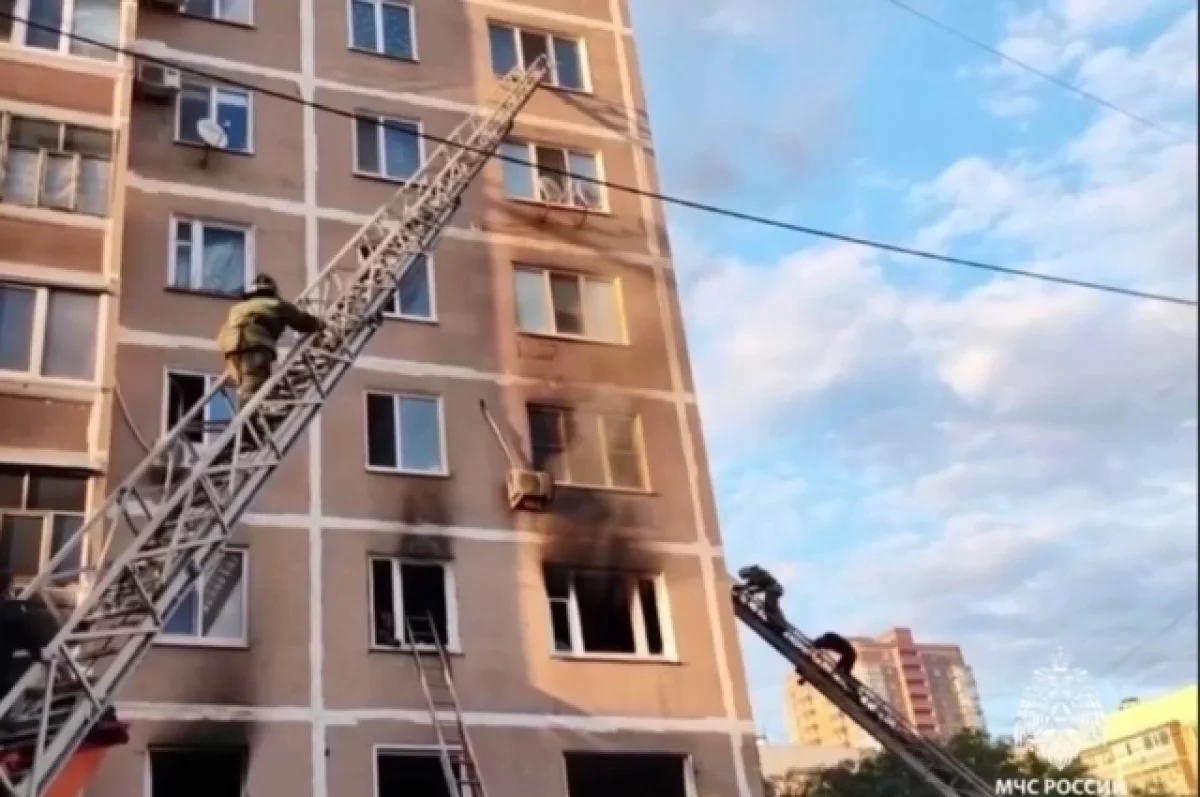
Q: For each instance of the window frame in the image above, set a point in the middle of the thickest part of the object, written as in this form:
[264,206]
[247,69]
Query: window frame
[531,148]
[393,313]
[66,32]
[599,416]
[400,470]
[249,23]
[380,141]
[165,421]
[637,618]
[548,304]
[195,268]
[379,33]
[453,641]
[585,67]
[381,749]
[151,750]
[43,155]
[214,90]
[199,640]
[40,330]
[46,553]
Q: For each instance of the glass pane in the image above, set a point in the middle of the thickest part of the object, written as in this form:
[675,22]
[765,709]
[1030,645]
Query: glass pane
[12,487]
[70,346]
[7,8]
[381,603]
[649,600]
[532,45]
[413,294]
[92,190]
[88,142]
[185,620]
[503,45]
[532,312]
[401,149]
[183,391]
[223,269]
[236,10]
[219,412]
[518,177]
[366,139]
[626,470]
[63,527]
[420,435]
[201,8]
[568,304]
[584,454]
[584,193]
[56,491]
[35,133]
[600,313]
[21,177]
[58,182]
[567,65]
[381,431]
[397,31]
[99,21]
[193,106]
[16,327]
[362,24]
[20,544]
[560,625]
[551,172]
[233,114]
[48,16]
[181,270]
[225,598]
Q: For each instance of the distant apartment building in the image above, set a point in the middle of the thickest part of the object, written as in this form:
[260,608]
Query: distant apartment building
[928,684]
[788,767]
[1151,743]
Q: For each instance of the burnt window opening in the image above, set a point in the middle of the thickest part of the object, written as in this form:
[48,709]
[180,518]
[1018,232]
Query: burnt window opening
[413,773]
[607,612]
[587,449]
[626,774]
[40,510]
[198,772]
[417,592]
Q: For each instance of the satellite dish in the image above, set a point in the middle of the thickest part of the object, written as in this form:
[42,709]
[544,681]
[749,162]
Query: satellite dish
[212,134]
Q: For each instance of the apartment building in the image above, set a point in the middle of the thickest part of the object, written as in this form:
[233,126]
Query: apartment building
[1150,744]
[930,685]
[592,645]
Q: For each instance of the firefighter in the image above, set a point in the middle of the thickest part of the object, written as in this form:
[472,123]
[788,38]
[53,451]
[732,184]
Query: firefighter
[760,581]
[252,330]
[847,655]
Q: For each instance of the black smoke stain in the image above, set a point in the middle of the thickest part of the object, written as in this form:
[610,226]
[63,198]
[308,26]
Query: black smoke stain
[204,734]
[425,503]
[434,547]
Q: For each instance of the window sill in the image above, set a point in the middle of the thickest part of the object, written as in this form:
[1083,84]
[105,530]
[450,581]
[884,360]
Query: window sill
[201,644]
[406,59]
[559,337]
[383,178]
[616,658]
[601,488]
[556,87]
[428,474]
[407,650]
[245,153]
[201,292]
[412,319]
[232,23]
[537,203]
[33,386]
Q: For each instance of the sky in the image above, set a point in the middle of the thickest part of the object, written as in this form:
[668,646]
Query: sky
[991,461]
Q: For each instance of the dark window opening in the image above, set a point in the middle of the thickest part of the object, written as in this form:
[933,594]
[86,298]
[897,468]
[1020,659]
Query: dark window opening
[649,598]
[417,598]
[626,774]
[198,773]
[597,611]
[410,774]
[605,612]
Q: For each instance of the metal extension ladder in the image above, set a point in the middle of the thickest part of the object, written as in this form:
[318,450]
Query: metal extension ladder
[148,543]
[947,775]
[459,765]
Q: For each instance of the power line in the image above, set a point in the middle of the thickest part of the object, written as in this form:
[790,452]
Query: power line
[666,199]
[1141,644]
[1033,70]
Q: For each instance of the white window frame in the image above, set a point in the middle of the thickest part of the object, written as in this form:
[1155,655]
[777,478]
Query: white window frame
[44,156]
[200,641]
[218,16]
[539,190]
[453,641]
[422,750]
[196,267]
[209,380]
[47,517]
[552,80]
[575,620]
[65,34]
[214,91]
[602,436]
[379,34]
[380,147]
[393,312]
[444,470]
[548,304]
[41,316]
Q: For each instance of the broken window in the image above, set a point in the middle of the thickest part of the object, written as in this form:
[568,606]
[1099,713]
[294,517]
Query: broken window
[399,773]
[626,774]
[610,612]
[408,592]
[587,449]
[40,508]
[184,391]
[198,772]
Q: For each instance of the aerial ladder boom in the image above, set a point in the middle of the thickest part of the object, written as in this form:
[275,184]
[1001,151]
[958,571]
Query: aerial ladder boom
[164,526]
[948,776]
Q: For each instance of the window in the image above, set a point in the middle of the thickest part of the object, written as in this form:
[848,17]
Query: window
[383,27]
[627,774]
[549,177]
[209,256]
[48,332]
[228,107]
[387,148]
[587,449]
[237,11]
[413,300]
[414,771]
[511,46]
[54,165]
[40,508]
[213,612]
[606,612]
[417,592]
[198,772]
[184,391]
[404,433]
[58,21]
[574,305]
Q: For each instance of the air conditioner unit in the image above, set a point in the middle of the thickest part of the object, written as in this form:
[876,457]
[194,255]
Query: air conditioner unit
[529,490]
[157,82]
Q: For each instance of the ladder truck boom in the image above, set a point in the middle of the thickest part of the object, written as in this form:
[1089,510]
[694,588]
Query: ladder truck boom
[166,524]
[945,774]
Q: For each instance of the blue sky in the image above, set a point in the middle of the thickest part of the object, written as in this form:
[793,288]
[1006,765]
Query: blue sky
[999,463]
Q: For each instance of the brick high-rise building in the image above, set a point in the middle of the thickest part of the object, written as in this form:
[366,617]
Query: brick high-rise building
[124,239]
[928,684]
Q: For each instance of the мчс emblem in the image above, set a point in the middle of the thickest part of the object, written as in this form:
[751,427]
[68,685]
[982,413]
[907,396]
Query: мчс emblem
[1060,714]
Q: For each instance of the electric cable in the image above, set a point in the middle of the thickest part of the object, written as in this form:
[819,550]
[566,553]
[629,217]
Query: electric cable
[1033,70]
[628,189]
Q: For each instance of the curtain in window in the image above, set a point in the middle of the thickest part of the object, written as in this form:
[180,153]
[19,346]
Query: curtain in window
[224,265]
[401,149]
[58,182]
[21,177]
[233,114]
[99,20]
[92,187]
[16,328]
[70,350]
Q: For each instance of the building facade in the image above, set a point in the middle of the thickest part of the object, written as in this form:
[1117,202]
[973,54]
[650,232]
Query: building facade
[930,685]
[1150,744]
[593,646]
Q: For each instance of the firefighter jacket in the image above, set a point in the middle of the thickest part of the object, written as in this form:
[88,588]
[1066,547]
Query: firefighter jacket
[257,323]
